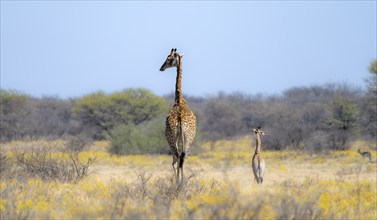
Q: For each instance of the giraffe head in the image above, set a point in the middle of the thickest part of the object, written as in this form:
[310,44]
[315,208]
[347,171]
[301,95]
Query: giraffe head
[172,60]
[259,130]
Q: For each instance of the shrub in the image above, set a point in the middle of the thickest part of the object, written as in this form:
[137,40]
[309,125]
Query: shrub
[15,109]
[48,165]
[147,137]
[341,122]
[100,112]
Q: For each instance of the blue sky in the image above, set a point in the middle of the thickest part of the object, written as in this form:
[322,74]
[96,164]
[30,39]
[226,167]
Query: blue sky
[69,49]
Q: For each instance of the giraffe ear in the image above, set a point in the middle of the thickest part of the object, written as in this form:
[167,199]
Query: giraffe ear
[181,55]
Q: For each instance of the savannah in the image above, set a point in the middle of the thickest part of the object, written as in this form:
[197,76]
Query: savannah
[105,155]
[218,183]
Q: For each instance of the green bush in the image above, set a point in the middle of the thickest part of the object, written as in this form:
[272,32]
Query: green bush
[100,112]
[145,138]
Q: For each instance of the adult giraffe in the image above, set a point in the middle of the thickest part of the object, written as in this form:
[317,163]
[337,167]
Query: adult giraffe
[181,121]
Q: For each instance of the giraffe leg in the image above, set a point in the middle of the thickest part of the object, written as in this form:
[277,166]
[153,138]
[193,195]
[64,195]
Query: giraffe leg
[262,168]
[178,174]
[174,169]
[258,175]
[255,170]
[260,171]
[181,161]
[176,160]
[181,172]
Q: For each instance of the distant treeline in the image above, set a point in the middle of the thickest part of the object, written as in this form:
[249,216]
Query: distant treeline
[311,118]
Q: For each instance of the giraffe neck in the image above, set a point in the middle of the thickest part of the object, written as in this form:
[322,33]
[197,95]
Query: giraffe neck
[258,144]
[179,101]
[178,85]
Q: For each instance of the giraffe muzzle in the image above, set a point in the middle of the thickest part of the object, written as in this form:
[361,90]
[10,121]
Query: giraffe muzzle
[163,67]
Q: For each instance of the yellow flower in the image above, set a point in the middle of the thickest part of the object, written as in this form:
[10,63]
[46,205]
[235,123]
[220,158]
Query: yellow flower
[3,203]
[25,204]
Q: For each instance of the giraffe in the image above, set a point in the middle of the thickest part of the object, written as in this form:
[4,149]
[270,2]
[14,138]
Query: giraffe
[258,162]
[181,122]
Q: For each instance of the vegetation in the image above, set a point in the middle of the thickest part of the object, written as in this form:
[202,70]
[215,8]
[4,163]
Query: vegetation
[312,118]
[47,162]
[26,117]
[148,137]
[219,185]
[369,105]
[101,113]
[372,80]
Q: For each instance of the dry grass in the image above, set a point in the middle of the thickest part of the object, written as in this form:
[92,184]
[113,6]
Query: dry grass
[218,184]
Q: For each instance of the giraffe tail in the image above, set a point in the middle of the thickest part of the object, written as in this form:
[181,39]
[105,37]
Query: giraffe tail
[183,151]
[182,159]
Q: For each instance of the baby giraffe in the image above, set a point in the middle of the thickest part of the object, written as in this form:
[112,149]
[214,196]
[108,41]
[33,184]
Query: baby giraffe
[258,162]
